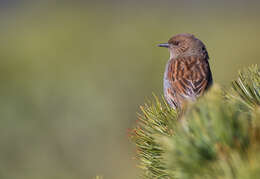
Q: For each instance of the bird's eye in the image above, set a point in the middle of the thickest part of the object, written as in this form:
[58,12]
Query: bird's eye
[176,43]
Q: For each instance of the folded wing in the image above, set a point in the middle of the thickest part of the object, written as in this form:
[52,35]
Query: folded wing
[188,78]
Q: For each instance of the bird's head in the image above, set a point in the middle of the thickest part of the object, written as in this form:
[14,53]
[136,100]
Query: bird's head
[183,45]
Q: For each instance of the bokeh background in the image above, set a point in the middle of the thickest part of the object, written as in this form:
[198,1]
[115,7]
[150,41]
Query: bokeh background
[73,74]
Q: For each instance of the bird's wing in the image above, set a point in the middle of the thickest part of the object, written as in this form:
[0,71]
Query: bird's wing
[189,76]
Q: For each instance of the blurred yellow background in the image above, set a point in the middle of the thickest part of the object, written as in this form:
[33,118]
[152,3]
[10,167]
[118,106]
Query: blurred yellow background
[73,74]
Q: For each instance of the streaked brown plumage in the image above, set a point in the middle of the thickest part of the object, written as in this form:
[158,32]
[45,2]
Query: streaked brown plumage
[187,74]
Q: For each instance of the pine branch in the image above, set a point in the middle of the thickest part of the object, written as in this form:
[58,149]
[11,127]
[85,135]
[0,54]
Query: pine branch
[157,119]
[217,137]
[212,131]
[247,86]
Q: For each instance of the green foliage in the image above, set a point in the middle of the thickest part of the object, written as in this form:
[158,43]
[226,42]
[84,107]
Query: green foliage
[156,119]
[248,86]
[216,137]
[212,131]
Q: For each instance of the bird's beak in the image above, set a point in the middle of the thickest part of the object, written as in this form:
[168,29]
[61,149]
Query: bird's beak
[164,45]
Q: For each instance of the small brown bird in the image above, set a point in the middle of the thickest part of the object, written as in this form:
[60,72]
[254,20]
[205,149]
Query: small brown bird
[187,74]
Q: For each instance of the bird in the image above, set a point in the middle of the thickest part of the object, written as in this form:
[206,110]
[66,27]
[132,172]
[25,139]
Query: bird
[187,73]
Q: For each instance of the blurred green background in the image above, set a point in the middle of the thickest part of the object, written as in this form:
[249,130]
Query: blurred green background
[73,74]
